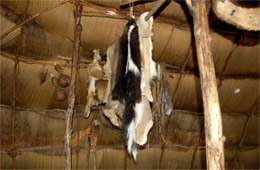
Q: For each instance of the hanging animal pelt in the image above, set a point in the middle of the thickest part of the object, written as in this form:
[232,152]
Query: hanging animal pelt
[113,109]
[95,73]
[150,68]
[128,80]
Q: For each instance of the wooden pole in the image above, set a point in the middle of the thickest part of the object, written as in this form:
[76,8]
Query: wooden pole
[19,44]
[71,100]
[88,150]
[16,67]
[212,113]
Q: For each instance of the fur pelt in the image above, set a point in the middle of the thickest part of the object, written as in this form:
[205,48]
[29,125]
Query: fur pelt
[133,76]
[128,81]
[128,61]
[119,88]
[110,69]
[114,109]
[95,73]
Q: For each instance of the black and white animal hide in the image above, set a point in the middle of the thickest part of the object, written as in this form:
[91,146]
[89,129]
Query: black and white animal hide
[119,88]
[129,64]
[128,80]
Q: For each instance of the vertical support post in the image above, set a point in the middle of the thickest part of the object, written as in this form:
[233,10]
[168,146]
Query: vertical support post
[14,101]
[19,44]
[71,100]
[212,113]
[89,148]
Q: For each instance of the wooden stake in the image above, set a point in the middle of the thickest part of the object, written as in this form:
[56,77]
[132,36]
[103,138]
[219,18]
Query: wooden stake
[212,113]
[78,121]
[71,101]
[16,66]
[88,150]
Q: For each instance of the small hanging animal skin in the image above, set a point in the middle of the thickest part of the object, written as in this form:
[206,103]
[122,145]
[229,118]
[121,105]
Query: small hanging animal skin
[95,73]
[128,81]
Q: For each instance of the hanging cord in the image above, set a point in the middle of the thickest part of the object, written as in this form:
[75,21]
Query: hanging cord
[131,9]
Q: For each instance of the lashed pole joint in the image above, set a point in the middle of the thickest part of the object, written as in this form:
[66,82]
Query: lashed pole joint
[212,113]
[71,100]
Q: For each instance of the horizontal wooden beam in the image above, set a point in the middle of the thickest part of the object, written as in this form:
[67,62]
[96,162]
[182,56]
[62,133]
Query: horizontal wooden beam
[102,15]
[84,63]
[78,115]
[117,147]
[135,3]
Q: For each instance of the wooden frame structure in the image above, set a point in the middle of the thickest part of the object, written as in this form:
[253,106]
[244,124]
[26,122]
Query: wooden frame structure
[72,96]
[212,114]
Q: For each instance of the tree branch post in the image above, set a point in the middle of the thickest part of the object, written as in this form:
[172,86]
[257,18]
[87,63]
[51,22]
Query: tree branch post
[15,75]
[71,100]
[212,113]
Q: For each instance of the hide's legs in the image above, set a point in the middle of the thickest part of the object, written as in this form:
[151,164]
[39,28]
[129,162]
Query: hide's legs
[108,89]
[111,114]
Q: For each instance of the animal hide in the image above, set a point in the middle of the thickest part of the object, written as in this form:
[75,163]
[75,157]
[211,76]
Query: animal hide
[129,65]
[110,68]
[146,46]
[132,81]
[143,120]
[113,109]
[95,73]
[128,80]
[119,88]
[167,95]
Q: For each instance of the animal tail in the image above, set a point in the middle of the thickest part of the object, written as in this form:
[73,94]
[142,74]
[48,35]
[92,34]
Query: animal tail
[129,129]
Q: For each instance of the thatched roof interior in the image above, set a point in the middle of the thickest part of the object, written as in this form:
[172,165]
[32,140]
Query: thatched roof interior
[48,39]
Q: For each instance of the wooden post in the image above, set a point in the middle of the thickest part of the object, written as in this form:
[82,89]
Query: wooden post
[16,67]
[88,151]
[212,113]
[71,100]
